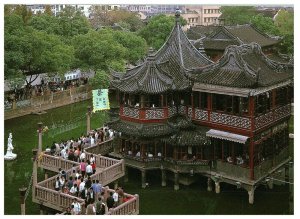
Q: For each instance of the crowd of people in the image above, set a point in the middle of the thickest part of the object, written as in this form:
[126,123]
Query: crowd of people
[73,149]
[98,199]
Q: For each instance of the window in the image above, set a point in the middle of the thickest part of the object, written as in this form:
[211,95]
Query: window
[109,7]
[196,99]
[203,100]
[281,96]
[263,103]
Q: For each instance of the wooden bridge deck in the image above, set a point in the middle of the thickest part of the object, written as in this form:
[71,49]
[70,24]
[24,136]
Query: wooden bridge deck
[107,171]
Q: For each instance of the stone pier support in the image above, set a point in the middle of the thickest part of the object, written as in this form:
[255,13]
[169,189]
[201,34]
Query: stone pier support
[209,184]
[270,183]
[251,195]
[22,199]
[40,131]
[42,210]
[14,104]
[218,187]
[34,171]
[176,181]
[143,178]
[88,119]
[163,178]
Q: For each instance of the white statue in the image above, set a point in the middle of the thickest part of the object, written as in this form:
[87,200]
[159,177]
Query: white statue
[9,154]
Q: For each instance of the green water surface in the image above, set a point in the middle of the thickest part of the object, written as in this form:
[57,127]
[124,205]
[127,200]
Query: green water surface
[70,121]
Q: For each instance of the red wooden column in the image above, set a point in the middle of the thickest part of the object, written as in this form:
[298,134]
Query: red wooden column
[209,105]
[251,146]
[252,112]
[251,158]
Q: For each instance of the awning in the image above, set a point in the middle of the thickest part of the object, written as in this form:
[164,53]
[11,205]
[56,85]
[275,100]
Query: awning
[226,136]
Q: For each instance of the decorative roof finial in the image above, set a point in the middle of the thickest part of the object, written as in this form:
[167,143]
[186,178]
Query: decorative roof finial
[177,14]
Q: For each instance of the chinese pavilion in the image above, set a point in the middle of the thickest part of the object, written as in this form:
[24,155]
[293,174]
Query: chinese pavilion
[185,115]
[214,39]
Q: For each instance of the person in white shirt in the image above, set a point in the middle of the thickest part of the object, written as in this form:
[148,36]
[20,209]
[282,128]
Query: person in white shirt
[159,154]
[77,207]
[81,185]
[138,154]
[82,156]
[92,141]
[92,159]
[116,197]
[74,190]
[89,169]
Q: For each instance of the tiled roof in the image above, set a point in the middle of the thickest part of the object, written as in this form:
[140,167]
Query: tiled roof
[140,130]
[165,70]
[200,31]
[218,37]
[244,66]
[178,130]
[248,34]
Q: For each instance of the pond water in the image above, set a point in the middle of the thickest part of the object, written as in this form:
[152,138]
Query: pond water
[70,121]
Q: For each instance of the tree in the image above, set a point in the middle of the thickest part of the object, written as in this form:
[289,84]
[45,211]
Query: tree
[285,24]
[158,29]
[25,13]
[33,52]
[265,24]
[102,17]
[136,46]
[234,15]
[100,80]
[72,22]
[48,10]
[96,50]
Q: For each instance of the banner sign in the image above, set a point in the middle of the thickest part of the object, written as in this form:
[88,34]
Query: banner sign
[100,100]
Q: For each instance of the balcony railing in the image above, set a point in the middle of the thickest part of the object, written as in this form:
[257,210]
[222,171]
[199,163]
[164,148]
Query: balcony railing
[156,113]
[272,116]
[204,115]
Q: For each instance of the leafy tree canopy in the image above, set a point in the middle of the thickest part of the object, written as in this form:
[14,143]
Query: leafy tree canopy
[102,17]
[158,29]
[237,14]
[264,24]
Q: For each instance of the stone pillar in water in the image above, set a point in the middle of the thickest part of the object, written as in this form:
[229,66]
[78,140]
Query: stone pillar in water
[163,178]
[209,185]
[176,181]
[251,195]
[218,187]
[126,174]
[40,130]
[143,178]
[88,119]
[22,199]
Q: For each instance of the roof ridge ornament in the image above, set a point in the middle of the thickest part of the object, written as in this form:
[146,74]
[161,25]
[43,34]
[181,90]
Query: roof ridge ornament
[177,15]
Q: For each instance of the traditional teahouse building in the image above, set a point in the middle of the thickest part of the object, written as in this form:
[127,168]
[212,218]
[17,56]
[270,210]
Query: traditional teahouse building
[215,39]
[185,115]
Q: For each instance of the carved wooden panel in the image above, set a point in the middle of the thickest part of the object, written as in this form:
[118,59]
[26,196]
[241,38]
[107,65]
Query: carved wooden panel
[154,114]
[201,114]
[131,112]
[230,120]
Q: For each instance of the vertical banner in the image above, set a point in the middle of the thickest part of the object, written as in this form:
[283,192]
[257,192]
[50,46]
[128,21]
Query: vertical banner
[100,100]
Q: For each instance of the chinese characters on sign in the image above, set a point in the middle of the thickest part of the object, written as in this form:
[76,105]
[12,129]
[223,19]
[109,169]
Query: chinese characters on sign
[100,100]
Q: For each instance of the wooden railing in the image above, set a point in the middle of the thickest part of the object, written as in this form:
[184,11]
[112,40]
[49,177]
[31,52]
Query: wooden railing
[127,208]
[101,148]
[53,163]
[54,199]
[110,174]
